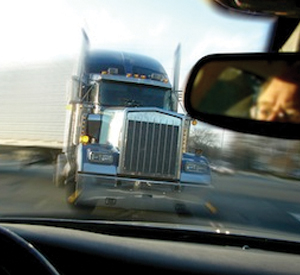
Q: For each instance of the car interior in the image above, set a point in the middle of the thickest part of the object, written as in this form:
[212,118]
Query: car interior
[79,246]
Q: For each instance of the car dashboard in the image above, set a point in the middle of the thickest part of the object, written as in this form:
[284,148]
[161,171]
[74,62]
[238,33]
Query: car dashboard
[75,251]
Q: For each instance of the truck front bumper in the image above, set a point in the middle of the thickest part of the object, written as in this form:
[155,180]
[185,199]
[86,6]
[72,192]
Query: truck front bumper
[141,194]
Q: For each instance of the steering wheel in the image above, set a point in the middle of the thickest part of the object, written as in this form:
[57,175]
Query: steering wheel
[17,256]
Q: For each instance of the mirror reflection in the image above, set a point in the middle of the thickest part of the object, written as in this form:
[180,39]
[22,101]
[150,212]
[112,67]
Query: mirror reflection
[252,89]
[286,8]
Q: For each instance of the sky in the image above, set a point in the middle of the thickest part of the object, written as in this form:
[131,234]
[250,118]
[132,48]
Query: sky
[35,30]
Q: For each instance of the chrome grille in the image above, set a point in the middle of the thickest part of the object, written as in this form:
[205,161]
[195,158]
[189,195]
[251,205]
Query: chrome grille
[152,147]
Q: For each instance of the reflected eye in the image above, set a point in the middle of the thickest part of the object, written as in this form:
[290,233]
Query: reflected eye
[264,112]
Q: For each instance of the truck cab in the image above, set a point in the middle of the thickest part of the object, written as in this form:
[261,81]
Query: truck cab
[127,80]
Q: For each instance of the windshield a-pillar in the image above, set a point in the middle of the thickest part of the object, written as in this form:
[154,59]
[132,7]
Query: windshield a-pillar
[118,94]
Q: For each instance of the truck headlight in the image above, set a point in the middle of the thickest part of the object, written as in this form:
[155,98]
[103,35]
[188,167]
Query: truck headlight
[100,157]
[195,167]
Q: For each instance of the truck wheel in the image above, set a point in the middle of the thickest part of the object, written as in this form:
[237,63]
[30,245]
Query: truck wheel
[58,176]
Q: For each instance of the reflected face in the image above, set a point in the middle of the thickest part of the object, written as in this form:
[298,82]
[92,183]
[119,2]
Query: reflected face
[279,101]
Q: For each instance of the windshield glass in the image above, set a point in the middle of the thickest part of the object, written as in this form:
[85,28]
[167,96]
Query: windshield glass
[136,163]
[132,95]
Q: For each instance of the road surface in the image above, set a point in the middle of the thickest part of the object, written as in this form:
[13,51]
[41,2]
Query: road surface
[239,200]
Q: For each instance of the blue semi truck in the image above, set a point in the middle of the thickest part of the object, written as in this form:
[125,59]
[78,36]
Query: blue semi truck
[127,142]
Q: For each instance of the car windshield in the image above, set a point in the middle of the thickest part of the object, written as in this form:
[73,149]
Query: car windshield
[109,155]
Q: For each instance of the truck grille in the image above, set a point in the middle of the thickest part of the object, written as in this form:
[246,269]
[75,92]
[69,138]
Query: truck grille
[152,148]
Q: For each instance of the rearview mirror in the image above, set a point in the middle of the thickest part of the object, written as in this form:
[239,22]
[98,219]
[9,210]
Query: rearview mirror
[288,8]
[253,93]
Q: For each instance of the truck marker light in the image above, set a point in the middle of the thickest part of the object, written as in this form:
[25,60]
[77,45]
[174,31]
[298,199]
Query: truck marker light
[84,139]
[194,122]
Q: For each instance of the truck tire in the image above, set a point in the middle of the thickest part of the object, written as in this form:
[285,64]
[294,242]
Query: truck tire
[58,173]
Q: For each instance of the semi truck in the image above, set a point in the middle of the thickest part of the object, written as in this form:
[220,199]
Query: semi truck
[110,121]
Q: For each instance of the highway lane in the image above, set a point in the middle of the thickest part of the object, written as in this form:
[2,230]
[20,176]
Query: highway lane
[257,201]
[246,200]
[29,190]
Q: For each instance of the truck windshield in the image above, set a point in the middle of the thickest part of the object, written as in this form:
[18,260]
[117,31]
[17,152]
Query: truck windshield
[134,95]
